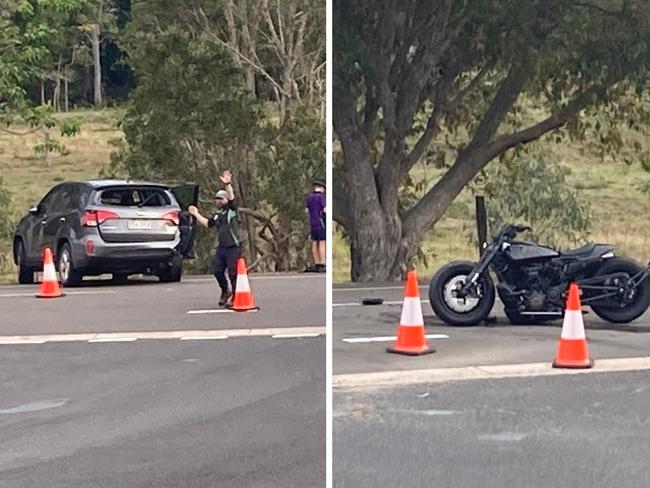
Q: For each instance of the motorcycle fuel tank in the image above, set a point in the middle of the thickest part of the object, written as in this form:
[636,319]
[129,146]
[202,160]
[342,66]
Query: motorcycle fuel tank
[523,251]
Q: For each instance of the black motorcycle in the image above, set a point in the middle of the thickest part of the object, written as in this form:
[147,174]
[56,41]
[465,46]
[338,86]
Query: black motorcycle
[533,281]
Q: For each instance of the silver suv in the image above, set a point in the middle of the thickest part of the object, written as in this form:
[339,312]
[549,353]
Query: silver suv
[96,227]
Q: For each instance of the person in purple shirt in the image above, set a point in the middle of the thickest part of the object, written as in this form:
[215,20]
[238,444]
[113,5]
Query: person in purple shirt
[315,206]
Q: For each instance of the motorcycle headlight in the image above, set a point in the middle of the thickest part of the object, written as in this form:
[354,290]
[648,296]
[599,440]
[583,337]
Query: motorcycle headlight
[608,254]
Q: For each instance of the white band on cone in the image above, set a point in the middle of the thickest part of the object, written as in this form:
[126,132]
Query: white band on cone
[242,283]
[49,273]
[412,313]
[573,327]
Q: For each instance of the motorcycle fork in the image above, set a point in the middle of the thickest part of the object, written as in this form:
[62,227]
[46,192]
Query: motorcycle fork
[477,271]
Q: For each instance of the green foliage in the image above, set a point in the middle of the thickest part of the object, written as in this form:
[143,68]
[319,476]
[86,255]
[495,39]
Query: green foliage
[190,116]
[289,158]
[534,192]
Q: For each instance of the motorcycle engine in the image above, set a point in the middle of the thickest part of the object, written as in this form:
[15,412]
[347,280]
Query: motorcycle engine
[536,301]
[539,292]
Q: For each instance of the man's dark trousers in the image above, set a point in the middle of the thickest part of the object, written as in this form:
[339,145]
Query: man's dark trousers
[225,258]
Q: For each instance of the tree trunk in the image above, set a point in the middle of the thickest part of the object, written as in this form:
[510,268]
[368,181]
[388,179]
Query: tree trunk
[42,92]
[66,95]
[245,179]
[284,248]
[250,81]
[369,226]
[95,41]
[46,148]
[57,88]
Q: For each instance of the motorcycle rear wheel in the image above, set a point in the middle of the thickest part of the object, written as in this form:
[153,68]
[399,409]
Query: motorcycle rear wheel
[624,312]
[455,311]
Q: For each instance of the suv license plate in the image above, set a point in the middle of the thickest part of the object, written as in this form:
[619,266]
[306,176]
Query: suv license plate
[139,224]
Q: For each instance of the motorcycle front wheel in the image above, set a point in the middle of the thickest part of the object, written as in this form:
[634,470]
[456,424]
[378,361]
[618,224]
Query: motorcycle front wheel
[453,309]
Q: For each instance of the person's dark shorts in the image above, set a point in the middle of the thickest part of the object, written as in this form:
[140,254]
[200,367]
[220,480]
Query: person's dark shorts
[318,234]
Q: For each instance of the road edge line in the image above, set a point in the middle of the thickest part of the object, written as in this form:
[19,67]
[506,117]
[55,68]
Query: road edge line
[152,335]
[391,379]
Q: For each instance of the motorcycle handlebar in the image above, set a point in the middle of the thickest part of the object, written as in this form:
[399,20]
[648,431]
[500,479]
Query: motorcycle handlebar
[512,230]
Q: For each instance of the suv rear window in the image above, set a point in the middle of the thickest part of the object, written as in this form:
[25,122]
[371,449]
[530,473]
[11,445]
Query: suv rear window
[132,197]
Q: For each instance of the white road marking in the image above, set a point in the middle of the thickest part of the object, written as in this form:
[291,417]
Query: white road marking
[428,413]
[359,304]
[204,338]
[12,342]
[219,310]
[388,379]
[364,340]
[502,437]
[311,331]
[293,336]
[66,291]
[204,312]
[35,406]
[113,339]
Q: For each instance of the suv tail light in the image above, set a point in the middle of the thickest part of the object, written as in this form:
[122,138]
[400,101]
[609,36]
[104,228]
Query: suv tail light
[93,218]
[174,217]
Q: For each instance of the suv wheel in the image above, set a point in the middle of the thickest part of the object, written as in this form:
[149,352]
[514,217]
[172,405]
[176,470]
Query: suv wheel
[173,272]
[25,274]
[70,276]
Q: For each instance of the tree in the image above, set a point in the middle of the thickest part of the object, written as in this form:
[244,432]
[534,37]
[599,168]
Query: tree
[194,114]
[29,34]
[190,116]
[282,42]
[414,80]
[98,18]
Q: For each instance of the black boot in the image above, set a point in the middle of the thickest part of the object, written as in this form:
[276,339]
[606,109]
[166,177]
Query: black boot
[225,295]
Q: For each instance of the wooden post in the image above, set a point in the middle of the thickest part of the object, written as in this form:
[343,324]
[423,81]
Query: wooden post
[481,223]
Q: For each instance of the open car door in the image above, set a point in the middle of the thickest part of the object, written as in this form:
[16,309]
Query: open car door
[186,194]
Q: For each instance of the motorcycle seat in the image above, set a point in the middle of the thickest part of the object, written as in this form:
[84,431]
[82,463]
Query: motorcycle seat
[581,251]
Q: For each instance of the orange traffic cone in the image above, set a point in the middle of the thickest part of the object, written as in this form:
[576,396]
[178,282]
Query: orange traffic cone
[572,351]
[243,300]
[410,333]
[50,284]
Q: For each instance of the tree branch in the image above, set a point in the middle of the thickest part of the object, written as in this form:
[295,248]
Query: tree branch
[556,120]
[470,159]
[257,67]
[16,133]
[440,108]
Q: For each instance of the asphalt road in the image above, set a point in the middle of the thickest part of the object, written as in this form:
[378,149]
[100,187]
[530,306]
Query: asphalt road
[284,300]
[191,408]
[582,431]
[498,343]
[511,421]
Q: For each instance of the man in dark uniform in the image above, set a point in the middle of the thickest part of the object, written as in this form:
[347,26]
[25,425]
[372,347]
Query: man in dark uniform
[226,223]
